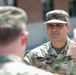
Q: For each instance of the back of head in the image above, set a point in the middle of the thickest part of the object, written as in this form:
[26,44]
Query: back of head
[12,23]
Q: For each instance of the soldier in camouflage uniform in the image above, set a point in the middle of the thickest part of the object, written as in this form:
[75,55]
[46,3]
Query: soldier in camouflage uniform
[13,38]
[54,56]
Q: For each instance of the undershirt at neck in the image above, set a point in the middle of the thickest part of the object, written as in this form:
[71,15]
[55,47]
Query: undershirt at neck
[58,50]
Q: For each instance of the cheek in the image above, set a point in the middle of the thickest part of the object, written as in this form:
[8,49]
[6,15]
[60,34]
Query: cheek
[49,33]
[64,31]
[48,30]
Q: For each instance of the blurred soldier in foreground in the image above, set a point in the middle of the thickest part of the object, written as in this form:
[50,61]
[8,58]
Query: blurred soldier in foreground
[54,56]
[13,38]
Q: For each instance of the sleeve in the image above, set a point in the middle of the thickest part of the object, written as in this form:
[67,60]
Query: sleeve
[27,57]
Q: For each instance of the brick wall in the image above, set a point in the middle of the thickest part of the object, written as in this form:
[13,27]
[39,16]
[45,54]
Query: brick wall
[61,4]
[33,9]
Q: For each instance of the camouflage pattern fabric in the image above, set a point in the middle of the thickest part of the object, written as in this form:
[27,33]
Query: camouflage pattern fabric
[73,72]
[46,57]
[12,65]
[12,14]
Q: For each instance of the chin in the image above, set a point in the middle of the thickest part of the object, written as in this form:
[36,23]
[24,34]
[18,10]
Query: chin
[55,39]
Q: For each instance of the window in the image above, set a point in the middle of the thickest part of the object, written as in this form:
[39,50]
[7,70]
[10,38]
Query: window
[72,8]
[47,6]
[8,2]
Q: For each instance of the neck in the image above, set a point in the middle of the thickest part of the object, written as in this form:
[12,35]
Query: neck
[12,48]
[59,43]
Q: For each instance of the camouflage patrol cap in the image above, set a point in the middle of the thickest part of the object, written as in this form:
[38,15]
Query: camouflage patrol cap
[57,16]
[11,14]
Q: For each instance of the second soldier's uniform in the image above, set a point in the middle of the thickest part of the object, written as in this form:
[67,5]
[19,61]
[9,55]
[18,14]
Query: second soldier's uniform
[46,57]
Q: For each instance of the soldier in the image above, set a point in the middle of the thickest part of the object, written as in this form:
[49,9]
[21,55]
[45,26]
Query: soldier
[54,56]
[13,38]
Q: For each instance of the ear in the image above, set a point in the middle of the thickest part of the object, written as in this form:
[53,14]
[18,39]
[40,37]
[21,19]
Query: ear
[24,38]
[68,26]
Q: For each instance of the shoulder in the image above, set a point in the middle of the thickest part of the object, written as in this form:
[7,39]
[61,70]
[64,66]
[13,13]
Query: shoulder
[42,47]
[38,49]
[71,41]
[26,57]
[29,56]
[12,68]
[27,52]
[16,68]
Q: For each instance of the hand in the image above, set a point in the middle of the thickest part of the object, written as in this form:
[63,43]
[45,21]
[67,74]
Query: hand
[74,34]
[73,50]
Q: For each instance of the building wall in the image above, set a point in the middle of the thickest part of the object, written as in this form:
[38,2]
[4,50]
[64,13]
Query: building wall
[61,4]
[33,9]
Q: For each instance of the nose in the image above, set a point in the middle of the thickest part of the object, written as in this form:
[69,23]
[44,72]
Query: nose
[54,29]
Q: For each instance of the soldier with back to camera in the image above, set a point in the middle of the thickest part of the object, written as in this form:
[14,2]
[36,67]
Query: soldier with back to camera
[13,39]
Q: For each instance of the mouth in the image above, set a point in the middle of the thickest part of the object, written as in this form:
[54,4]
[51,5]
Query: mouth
[55,35]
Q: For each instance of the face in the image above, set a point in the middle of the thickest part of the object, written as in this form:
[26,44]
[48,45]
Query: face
[57,31]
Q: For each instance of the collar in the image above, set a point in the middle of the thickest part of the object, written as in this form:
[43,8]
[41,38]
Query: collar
[66,50]
[9,58]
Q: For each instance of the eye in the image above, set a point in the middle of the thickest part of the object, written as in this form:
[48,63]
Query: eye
[49,25]
[60,25]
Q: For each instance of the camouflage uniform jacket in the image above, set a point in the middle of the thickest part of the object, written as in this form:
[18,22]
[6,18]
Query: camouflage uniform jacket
[13,65]
[46,57]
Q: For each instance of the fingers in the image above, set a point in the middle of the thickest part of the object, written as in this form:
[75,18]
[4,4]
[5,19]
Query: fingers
[74,34]
[73,50]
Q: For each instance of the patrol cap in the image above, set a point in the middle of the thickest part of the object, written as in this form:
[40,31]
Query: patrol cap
[11,13]
[57,16]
